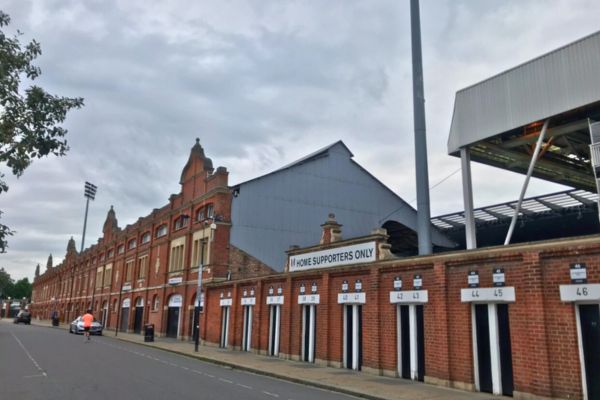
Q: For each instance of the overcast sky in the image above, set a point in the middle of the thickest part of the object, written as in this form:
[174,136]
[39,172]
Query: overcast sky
[261,83]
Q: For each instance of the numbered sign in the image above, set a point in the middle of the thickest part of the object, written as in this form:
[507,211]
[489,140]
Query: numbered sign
[352,298]
[488,295]
[409,297]
[583,293]
[309,299]
[248,301]
[226,302]
[274,299]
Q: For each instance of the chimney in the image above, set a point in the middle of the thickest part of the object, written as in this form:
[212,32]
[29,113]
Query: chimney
[332,231]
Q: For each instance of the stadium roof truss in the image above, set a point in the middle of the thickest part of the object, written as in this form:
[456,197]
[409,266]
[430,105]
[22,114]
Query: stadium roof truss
[499,122]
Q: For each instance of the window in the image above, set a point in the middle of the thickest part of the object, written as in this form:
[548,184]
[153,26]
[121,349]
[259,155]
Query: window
[132,244]
[99,272]
[181,222]
[199,251]
[108,275]
[111,253]
[200,214]
[142,267]
[129,270]
[114,307]
[155,302]
[176,259]
[121,249]
[161,231]
[176,263]
[102,258]
[146,237]
[205,212]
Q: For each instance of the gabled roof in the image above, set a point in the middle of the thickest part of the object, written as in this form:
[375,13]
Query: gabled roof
[313,156]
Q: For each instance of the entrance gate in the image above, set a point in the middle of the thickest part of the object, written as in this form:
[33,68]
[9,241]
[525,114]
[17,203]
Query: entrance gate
[173,314]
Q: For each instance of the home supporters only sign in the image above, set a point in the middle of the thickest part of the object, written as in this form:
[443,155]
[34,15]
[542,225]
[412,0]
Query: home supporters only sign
[347,255]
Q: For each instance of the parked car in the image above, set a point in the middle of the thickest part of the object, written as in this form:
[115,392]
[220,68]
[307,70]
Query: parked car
[23,316]
[77,327]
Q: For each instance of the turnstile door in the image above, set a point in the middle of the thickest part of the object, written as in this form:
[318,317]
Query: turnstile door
[420,343]
[506,371]
[124,319]
[309,319]
[247,329]
[484,360]
[353,337]
[405,341]
[137,321]
[172,322]
[589,317]
[224,326]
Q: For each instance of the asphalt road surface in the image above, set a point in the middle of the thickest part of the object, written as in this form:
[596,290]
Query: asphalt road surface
[45,363]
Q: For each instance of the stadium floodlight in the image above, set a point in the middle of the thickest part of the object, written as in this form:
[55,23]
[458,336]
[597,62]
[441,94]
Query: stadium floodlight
[90,191]
[90,194]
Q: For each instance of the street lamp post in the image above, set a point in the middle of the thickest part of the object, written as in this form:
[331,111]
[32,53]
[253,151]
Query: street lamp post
[213,226]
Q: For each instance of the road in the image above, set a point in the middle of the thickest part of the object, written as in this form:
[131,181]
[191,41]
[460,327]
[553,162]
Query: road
[45,363]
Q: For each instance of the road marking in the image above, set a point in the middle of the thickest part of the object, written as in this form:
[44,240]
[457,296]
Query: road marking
[186,368]
[198,372]
[244,386]
[270,394]
[225,380]
[34,376]
[209,375]
[29,355]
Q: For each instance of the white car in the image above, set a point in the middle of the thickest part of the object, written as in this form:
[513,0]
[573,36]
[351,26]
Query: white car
[77,327]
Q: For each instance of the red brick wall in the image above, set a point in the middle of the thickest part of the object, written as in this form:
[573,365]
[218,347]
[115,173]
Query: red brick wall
[543,332]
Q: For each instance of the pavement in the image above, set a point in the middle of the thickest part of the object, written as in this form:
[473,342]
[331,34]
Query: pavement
[359,384]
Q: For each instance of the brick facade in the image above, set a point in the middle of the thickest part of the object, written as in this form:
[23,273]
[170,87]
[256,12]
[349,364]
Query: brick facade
[155,260]
[543,333]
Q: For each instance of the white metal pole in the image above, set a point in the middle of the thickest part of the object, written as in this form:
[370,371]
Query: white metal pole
[526,183]
[470,232]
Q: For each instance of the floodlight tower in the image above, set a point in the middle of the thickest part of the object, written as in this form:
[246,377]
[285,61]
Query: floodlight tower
[90,194]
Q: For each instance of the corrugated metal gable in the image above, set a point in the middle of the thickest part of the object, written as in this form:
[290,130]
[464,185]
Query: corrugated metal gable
[287,207]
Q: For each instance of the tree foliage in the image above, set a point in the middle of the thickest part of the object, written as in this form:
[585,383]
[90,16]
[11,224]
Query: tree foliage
[30,117]
[15,290]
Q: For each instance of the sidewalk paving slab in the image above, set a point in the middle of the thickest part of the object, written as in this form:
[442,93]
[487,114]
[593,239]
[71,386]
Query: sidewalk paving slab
[346,381]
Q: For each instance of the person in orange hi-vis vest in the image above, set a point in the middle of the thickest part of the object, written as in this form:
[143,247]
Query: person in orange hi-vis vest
[87,318]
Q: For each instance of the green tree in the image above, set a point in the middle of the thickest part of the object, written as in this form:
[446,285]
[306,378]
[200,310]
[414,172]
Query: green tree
[21,288]
[6,284]
[30,118]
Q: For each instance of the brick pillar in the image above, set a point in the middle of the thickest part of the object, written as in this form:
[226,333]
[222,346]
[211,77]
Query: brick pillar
[324,340]
[233,317]
[286,329]
[372,323]
[531,361]
[437,358]
[257,323]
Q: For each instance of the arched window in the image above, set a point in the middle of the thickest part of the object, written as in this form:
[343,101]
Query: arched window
[132,244]
[146,237]
[181,221]
[114,306]
[155,302]
[121,249]
[161,230]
